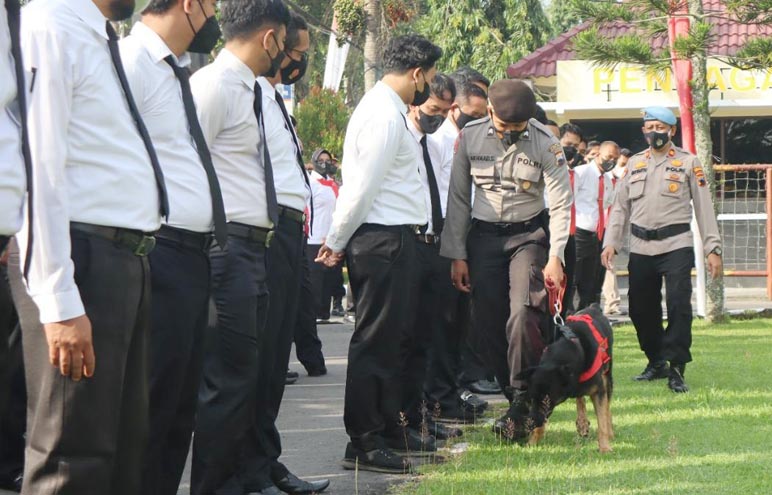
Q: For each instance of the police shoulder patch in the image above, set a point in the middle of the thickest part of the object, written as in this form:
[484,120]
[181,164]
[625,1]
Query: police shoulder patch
[556,149]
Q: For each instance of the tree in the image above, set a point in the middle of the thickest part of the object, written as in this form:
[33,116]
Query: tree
[561,17]
[487,35]
[322,119]
[650,18]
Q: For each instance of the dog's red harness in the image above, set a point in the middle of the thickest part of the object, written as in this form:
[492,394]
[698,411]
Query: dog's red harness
[601,355]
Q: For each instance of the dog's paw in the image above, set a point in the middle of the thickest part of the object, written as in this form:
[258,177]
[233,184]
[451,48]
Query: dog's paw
[606,449]
[583,427]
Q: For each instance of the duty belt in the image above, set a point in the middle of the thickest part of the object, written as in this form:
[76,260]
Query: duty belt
[428,238]
[508,228]
[138,242]
[200,241]
[293,214]
[258,235]
[661,233]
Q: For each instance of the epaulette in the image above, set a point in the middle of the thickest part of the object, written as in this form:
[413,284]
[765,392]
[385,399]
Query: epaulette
[535,124]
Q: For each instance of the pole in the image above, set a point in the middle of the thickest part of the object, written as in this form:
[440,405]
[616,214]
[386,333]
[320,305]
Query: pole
[769,232]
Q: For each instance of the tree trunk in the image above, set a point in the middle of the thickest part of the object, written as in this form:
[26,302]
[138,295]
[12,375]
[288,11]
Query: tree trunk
[372,36]
[704,144]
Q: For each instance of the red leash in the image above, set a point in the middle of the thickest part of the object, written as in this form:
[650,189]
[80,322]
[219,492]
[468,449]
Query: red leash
[555,295]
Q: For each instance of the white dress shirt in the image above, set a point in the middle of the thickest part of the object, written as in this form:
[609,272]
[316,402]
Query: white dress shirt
[324,196]
[381,184]
[224,94]
[441,145]
[158,96]
[436,158]
[91,165]
[291,187]
[586,195]
[12,178]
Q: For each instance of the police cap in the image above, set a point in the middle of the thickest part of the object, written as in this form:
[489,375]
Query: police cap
[664,115]
[513,101]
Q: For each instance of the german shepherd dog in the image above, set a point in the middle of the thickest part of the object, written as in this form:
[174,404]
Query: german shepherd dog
[575,365]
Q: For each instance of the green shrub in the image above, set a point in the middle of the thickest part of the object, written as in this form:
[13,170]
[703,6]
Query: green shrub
[322,118]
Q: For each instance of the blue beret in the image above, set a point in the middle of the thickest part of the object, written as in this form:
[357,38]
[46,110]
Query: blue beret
[662,114]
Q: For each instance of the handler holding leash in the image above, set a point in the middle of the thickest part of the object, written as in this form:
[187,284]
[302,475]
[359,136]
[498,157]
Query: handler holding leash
[654,196]
[510,159]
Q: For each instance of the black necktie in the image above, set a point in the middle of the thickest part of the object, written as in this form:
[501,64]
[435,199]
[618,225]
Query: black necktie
[291,129]
[270,187]
[14,20]
[112,43]
[218,210]
[434,191]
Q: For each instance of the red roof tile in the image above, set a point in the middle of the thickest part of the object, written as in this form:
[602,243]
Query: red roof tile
[729,36]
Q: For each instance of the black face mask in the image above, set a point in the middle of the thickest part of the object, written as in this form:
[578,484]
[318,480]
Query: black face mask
[325,168]
[429,123]
[570,152]
[511,137]
[657,140]
[205,38]
[299,65]
[463,119]
[275,61]
[420,97]
[608,165]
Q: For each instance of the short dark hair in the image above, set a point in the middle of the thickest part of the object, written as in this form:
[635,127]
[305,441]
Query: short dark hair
[296,24]
[241,18]
[409,51]
[626,152]
[551,122]
[568,127]
[541,115]
[470,75]
[593,143]
[441,84]
[159,6]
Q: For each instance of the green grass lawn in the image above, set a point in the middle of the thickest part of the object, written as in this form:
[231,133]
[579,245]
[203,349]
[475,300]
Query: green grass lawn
[717,439]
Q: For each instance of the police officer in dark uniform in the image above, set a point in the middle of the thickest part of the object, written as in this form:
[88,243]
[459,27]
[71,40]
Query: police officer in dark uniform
[499,244]
[655,197]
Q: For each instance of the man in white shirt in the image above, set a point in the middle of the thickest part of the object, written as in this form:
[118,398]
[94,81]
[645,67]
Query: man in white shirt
[99,197]
[593,196]
[379,211]
[229,102]
[261,470]
[155,58]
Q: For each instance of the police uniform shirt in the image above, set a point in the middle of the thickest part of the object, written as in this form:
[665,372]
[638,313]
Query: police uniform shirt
[224,95]
[436,159]
[657,192]
[381,183]
[158,96]
[91,164]
[325,195]
[291,188]
[12,178]
[508,184]
[586,186]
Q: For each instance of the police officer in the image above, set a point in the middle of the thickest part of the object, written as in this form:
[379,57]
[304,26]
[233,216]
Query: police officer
[499,243]
[654,197]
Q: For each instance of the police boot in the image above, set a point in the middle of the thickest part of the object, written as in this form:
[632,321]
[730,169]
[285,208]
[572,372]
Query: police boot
[512,425]
[653,371]
[675,379]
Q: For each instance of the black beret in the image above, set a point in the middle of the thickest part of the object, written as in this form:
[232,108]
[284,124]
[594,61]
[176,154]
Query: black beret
[513,101]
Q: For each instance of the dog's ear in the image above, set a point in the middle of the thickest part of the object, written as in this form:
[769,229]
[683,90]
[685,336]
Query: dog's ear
[527,373]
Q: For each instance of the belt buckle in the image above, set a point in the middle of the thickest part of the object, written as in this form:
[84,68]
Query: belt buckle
[269,238]
[145,245]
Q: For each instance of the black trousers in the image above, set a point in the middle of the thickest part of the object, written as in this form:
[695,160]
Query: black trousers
[471,354]
[180,284]
[589,271]
[320,278]
[260,465]
[89,437]
[645,296]
[569,269]
[308,347]
[226,400]
[13,424]
[434,341]
[382,267]
[509,302]
[7,322]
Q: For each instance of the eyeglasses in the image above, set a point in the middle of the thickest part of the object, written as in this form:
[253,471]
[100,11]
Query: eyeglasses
[303,55]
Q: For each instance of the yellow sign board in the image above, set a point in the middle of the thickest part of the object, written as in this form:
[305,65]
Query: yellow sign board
[581,82]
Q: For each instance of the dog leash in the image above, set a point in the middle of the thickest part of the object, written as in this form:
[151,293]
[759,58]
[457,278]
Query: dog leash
[555,294]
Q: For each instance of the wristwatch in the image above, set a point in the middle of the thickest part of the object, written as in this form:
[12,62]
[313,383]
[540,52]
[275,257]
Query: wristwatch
[717,250]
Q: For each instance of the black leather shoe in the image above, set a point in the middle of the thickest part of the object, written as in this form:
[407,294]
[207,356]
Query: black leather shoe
[321,371]
[675,379]
[13,485]
[271,490]
[411,442]
[472,403]
[653,371]
[457,415]
[292,377]
[294,485]
[512,426]
[485,387]
[379,460]
[443,432]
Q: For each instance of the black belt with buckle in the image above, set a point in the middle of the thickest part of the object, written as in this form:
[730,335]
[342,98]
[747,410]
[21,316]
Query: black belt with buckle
[200,241]
[293,214]
[428,238]
[258,235]
[509,228]
[4,242]
[659,234]
[138,242]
